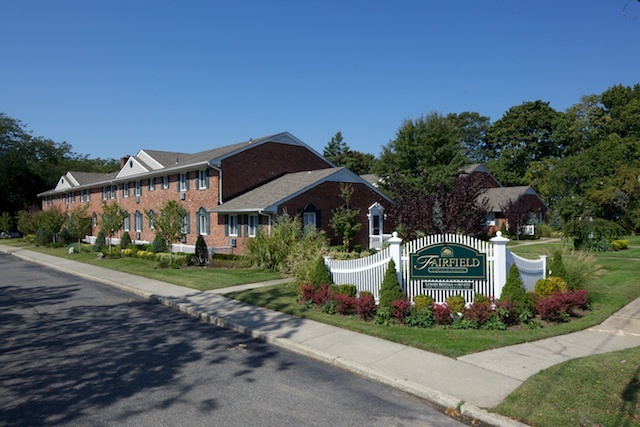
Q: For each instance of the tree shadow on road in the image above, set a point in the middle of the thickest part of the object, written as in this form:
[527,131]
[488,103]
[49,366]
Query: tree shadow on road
[63,362]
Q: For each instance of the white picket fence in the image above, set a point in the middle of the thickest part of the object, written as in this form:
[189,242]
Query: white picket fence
[529,269]
[367,273]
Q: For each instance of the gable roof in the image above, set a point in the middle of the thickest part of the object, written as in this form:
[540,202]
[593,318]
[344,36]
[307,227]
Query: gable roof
[155,163]
[269,196]
[501,196]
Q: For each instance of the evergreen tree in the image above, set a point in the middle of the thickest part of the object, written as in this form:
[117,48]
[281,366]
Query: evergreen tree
[320,275]
[202,251]
[390,290]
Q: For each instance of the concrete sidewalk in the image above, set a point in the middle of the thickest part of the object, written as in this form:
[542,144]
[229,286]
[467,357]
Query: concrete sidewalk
[467,384]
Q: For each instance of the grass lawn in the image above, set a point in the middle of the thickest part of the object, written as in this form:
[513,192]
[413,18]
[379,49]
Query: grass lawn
[199,278]
[601,390]
[616,287]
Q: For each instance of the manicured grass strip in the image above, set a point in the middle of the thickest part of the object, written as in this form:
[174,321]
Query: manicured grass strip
[601,390]
[199,278]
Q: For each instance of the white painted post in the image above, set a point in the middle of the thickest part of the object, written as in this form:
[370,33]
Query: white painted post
[396,254]
[544,266]
[499,263]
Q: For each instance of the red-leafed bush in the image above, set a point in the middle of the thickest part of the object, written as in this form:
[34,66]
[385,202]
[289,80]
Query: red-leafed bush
[480,311]
[400,308]
[346,303]
[306,292]
[559,306]
[507,312]
[321,295]
[577,299]
[365,305]
[442,313]
[553,308]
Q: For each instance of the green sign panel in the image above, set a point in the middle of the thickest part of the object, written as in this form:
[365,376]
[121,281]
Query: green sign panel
[448,261]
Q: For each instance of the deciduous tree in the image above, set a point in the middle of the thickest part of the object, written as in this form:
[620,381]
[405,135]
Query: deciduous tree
[169,224]
[112,219]
[426,152]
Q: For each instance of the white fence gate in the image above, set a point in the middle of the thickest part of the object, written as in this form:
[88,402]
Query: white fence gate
[367,273]
[415,287]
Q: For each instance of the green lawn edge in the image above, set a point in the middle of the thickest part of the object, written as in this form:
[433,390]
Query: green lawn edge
[199,278]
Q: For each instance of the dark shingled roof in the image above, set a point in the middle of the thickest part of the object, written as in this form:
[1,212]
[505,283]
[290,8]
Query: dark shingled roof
[85,178]
[501,196]
[268,196]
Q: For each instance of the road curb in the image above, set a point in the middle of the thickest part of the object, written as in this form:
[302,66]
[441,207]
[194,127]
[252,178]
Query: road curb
[450,405]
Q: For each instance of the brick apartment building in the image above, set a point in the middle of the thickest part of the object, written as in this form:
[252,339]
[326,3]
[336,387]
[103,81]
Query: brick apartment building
[229,192]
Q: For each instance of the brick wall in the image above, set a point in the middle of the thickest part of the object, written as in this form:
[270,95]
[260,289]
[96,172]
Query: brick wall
[265,162]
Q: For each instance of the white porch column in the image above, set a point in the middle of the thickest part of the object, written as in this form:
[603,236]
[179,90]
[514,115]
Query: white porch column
[499,263]
[395,246]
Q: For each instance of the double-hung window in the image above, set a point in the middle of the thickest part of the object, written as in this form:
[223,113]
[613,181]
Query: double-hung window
[165,182]
[203,221]
[233,225]
[127,221]
[184,181]
[125,189]
[308,218]
[138,188]
[152,217]
[105,192]
[152,184]
[138,221]
[185,224]
[203,179]
[253,225]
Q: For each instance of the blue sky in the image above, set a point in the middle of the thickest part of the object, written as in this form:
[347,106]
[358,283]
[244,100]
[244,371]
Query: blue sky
[112,77]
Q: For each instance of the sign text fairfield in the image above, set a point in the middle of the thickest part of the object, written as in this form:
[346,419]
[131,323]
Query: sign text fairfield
[448,261]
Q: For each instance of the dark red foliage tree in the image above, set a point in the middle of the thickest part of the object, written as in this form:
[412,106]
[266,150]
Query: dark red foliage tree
[455,208]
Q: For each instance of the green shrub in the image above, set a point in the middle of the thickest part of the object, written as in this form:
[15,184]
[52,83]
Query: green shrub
[125,241]
[593,234]
[420,317]
[320,274]
[619,245]
[556,266]
[390,289]
[456,302]
[545,230]
[346,289]
[423,301]
[101,240]
[65,237]
[546,287]
[481,299]
[30,238]
[383,316]
[515,292]
[330,307]
[179,260]
[201,256]
[581,269]
[43,237]
[158,245]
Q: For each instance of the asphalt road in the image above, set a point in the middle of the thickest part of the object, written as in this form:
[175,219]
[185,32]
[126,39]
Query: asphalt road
[75,352]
